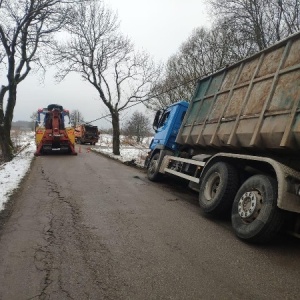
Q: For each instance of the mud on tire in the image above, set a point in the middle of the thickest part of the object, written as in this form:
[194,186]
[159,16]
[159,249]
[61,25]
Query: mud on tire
[218,187]
[153,168]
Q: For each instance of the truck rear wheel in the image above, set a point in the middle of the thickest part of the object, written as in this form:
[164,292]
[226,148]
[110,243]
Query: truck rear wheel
[255,215]
[153,169]
[218,187]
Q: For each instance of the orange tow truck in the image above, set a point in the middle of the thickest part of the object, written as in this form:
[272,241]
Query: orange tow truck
[53,131]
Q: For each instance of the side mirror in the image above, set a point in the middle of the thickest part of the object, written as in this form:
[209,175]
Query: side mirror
[156,120]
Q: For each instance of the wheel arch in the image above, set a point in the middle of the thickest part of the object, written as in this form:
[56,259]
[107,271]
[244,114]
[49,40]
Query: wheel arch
[288,179]
[162,150]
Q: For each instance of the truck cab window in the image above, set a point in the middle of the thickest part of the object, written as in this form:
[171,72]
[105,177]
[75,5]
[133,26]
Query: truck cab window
[164,119]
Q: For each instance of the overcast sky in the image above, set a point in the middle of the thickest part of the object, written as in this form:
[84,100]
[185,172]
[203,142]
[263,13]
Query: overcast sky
[158,27]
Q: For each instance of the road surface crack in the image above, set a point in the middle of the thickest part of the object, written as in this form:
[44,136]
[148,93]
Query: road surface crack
[71,255]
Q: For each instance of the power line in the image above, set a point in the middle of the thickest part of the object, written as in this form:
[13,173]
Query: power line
[146,100]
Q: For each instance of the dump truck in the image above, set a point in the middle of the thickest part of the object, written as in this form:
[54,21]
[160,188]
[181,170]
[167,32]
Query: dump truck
[86,134]
[237,143]
[53,131]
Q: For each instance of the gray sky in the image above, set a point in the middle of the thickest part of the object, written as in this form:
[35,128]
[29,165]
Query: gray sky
[158,27]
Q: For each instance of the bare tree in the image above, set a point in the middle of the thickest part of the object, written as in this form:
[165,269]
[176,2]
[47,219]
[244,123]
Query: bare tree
[290,14]
[262,22]
[25,28]
[34,117]
[76,117]
[138,126]
[241,28]
[204,52]
[107,60]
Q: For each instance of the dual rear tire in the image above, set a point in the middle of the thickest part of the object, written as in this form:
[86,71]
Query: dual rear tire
[218,187]
[253,205]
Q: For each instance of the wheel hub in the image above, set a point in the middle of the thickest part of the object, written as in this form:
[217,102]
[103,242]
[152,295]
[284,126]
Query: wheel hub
[249,205]
[212,186]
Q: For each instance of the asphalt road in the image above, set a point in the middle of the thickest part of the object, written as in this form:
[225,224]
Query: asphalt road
[88,227]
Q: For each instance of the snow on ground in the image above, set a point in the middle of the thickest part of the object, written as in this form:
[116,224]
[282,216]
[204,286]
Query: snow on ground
[12,173]
[130,151]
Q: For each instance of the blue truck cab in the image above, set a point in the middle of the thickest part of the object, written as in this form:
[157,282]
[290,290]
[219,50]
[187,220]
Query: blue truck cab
[166,124]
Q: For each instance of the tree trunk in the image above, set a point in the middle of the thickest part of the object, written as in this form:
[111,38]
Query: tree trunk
[116,133]
[5,124]
[6,144]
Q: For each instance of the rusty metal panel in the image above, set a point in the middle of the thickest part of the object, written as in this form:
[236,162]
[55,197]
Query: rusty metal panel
[286,93]
[218,107]
[293,57]
[270,62]
[254,103]
[247,72]
[229,79]
[235,104]
[257,97]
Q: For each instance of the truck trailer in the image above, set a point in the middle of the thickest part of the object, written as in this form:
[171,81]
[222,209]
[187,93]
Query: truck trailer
[86,134]
[237,142]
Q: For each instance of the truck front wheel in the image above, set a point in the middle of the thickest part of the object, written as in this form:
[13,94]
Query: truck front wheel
[153,168]
[255,215]
[218,187]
